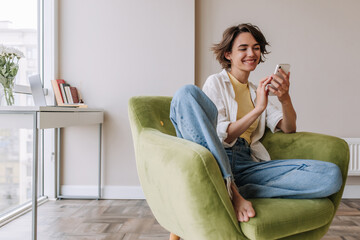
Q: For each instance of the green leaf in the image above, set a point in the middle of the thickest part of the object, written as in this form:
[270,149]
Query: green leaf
[2,61]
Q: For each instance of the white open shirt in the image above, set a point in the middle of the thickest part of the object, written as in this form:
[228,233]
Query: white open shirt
[220,90]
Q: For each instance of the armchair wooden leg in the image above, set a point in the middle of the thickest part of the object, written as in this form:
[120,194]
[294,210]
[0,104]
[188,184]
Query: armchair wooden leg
[174,237]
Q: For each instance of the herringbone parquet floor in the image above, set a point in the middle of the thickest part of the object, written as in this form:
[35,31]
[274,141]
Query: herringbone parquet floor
[131,220]
[346,224]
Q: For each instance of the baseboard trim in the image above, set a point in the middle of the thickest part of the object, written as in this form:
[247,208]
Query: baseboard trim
[352,191]
[135,192]
[108,192]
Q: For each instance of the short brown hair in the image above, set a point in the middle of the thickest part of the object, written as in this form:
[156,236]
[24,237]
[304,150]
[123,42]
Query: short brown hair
[229,35]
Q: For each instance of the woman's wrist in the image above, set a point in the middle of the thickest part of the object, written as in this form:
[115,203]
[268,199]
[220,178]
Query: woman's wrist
[258,110]
[235,129]
[285,100]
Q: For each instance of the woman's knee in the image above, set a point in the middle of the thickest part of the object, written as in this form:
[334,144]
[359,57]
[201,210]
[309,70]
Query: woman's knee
[337,177]
[191,96]
[183,99]
[329,180]
[334,179]
[187,92]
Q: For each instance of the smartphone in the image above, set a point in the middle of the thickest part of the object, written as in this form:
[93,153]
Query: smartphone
[283,66]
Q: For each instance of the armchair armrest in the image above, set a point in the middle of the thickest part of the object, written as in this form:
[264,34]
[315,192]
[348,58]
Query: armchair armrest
[184,187]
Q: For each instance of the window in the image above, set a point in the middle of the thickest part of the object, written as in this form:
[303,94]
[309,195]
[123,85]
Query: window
[19,28]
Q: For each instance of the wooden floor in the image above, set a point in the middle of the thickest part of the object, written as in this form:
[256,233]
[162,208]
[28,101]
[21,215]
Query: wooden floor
[131,220]
[346,224]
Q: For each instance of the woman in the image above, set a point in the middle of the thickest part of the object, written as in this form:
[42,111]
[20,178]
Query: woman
[229,117]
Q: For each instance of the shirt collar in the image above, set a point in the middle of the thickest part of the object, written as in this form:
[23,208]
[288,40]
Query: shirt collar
[225,76]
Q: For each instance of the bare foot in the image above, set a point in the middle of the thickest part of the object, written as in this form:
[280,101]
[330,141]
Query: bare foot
[243,208]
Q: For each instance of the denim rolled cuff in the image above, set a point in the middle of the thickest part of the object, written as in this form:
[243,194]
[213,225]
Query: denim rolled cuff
[229,180]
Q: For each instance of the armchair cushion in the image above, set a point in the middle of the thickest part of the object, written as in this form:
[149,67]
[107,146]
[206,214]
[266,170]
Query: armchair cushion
[276,218]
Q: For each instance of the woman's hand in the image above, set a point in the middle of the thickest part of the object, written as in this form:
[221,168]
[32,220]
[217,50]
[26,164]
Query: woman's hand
[235,129]
[262,93]
[282,86]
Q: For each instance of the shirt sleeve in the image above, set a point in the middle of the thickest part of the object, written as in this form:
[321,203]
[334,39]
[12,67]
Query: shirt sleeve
[273,117]
[214,93]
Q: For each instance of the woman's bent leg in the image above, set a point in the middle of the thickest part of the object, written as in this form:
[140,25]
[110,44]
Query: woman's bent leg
[289,179]
[194,117]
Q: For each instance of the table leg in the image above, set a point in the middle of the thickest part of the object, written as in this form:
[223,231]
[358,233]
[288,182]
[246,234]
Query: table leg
[35,179]
[100,141]
[58,151]
[58,158]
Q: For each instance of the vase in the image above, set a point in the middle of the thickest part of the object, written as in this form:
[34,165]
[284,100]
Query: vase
[2,96]
[6,96]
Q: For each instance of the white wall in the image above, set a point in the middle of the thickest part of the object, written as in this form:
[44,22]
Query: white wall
[320,39]
[113,50]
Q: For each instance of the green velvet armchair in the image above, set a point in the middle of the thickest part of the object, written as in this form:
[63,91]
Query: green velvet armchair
[184,188]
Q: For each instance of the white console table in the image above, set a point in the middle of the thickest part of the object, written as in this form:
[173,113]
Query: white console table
[38,118]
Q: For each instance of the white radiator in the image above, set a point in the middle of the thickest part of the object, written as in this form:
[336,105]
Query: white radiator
[354,164]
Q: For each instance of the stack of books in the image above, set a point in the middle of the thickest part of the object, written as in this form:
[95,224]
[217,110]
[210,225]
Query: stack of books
[66,95]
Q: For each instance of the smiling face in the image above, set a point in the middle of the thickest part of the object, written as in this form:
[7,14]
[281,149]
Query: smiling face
[245,54]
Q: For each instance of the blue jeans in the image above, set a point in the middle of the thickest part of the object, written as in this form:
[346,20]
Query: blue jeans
[194,117]
[292,178]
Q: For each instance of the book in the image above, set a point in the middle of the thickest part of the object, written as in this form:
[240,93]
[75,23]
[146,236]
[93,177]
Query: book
[68,94]
[63,92]
[74,94]
[59,81]
[57,92]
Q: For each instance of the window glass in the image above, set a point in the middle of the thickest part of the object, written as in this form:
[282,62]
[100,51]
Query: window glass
[19,29]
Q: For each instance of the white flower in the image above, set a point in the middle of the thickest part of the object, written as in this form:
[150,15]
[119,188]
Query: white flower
[11,51]
[18,53]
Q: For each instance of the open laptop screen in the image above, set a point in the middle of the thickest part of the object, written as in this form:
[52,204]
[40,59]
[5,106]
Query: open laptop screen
[37,90]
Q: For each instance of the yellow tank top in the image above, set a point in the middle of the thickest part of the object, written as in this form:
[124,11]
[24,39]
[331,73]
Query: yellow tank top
[245,105]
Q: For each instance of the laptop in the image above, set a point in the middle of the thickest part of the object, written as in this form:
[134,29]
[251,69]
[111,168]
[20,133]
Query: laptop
[37,90]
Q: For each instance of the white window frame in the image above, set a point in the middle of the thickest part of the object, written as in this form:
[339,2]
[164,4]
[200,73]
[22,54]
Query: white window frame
[49,71]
